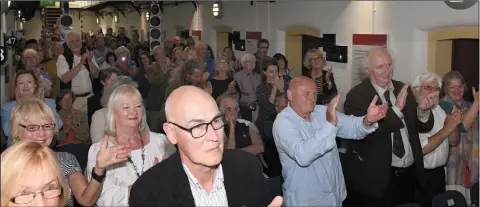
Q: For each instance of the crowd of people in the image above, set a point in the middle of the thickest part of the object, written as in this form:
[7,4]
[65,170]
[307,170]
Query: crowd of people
[104,120]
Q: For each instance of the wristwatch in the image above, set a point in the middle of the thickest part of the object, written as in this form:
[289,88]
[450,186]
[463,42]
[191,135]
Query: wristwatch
[98,178]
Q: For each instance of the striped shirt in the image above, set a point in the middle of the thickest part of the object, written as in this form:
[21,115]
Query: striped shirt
[216,197]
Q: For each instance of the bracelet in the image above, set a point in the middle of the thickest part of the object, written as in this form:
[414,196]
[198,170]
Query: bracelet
[98,178]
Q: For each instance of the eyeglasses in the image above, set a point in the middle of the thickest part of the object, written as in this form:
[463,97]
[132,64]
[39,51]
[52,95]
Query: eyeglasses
[29,197]
[35,127]
[430,88]
[200,130]
[317,58]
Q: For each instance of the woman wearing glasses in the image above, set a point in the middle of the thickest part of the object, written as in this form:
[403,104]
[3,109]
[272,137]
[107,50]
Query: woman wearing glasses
[31,176]
[33,120]
[314,62]
[126,125]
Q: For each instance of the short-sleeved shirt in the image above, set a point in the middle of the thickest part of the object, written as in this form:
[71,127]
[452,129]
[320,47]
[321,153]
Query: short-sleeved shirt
[69,165]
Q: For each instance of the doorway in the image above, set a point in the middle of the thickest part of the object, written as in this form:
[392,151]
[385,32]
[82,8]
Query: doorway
[465,60]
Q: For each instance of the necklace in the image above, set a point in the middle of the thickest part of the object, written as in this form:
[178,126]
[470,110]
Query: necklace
[129,159]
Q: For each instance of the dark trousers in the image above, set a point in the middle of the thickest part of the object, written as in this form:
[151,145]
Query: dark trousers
[400,190]
[246,113]
[435,179]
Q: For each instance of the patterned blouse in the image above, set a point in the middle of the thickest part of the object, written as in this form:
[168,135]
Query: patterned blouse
[69,165]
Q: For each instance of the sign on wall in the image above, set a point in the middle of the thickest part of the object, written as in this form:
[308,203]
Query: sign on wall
[362,44]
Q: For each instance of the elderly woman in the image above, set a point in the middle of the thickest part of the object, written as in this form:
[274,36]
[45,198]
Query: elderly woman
[26,86]
[124,62]
[32,120]
[28,168]
[75,125]
[97,128]
[247,82]
[126,125]
[436,143]
[31,63]
[462,165]
[314,62]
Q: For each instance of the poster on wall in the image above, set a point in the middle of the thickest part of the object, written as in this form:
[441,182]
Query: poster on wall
[251,41]
[362,43]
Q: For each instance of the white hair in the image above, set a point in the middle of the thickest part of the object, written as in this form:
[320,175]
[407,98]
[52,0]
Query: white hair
[426,77]
[221,106]
[122,51]
[247,58]
[366,59]
[123,91]
[70,34]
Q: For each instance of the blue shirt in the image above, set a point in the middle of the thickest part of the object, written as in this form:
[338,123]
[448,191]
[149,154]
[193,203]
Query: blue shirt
[210,67]
[309,155]
[7,111]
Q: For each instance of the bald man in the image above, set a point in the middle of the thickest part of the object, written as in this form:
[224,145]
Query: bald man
[202,173]
[305,137]
[385,168]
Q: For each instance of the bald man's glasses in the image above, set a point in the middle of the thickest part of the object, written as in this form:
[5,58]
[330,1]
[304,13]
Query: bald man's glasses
[200,130]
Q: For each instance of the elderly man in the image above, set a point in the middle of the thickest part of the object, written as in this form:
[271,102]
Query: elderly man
[305,137]
[202,173]
[241,133]
[74,70]
[435,145]
[381,169]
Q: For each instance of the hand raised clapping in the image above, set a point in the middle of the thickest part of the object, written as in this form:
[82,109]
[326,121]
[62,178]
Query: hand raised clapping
[375,112]
[331,110]
[111,155]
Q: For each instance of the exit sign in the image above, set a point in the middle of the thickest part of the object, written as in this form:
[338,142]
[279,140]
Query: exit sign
[47,3]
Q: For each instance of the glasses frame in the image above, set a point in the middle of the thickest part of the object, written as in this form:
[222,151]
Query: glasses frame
[190,130]
[35,195]
[38,127]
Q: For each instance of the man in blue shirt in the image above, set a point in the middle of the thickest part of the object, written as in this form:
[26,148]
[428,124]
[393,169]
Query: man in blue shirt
[305,134]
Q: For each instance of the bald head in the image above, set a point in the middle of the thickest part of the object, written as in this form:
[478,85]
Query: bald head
[302,94]
[379,66]
[299,82]
[183,100]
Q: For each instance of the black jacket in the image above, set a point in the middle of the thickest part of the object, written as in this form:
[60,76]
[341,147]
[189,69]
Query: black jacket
[166,184]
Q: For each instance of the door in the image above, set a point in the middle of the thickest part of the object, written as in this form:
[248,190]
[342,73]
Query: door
[465,60]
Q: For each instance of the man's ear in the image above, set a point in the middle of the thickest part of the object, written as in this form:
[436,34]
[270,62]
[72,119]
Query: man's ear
[170,132]
[289,95]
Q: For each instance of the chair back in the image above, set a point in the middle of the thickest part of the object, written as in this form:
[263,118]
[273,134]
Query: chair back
[451,198]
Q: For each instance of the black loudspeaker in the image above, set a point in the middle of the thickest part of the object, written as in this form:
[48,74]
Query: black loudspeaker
[235,35]
[155,25]
[239,45]
[337,54]
[328,40]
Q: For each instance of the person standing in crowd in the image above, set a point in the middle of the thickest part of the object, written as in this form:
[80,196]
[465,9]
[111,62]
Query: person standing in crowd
[261,55]
[462,165]
[247,82]
[305,137]
[435,145]
[223,85]
[202,173]
[386,167]
[72,71]
[202,49]
[283,69]
[124,62]
[100,53]
[314,62]
[272,84]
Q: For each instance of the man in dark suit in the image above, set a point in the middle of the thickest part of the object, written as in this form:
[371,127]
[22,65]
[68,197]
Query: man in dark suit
[386,167]
[201,173]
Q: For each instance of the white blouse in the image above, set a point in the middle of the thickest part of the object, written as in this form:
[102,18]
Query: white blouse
[120,176]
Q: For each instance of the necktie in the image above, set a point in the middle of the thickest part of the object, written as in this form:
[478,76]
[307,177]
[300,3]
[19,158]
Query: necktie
[398,147]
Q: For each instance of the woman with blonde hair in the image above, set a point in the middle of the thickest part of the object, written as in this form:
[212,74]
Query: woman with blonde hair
[126,125]
[314,62]
[190,53]
[32,120]
[223,84]
[124,62]
[31,176]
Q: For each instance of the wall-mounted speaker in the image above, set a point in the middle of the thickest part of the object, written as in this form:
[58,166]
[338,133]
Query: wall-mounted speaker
[239,45]
[155,25]
[337,54]
[328,40]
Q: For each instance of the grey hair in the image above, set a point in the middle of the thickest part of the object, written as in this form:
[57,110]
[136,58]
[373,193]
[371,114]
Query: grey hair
[221,105]
[366,59]
[247,58]
[70,34]
[109,88]
[447,81]
[114,100]
[156,48]
[307,60]
[426,77]
[122,52]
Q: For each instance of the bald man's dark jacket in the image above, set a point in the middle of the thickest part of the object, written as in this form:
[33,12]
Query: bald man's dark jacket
[367,162]
[166,184]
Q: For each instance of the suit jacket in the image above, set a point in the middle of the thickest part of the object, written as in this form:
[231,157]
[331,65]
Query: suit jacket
[166,184]
[367,163]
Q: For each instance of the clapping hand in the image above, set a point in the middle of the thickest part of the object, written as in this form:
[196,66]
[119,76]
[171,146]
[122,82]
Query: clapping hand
[453,119]
[276,202]
[428,101]
[475,94]
[402,97]
[329,73]
[111,155]
[231,87]
[375,112]
[331,110]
